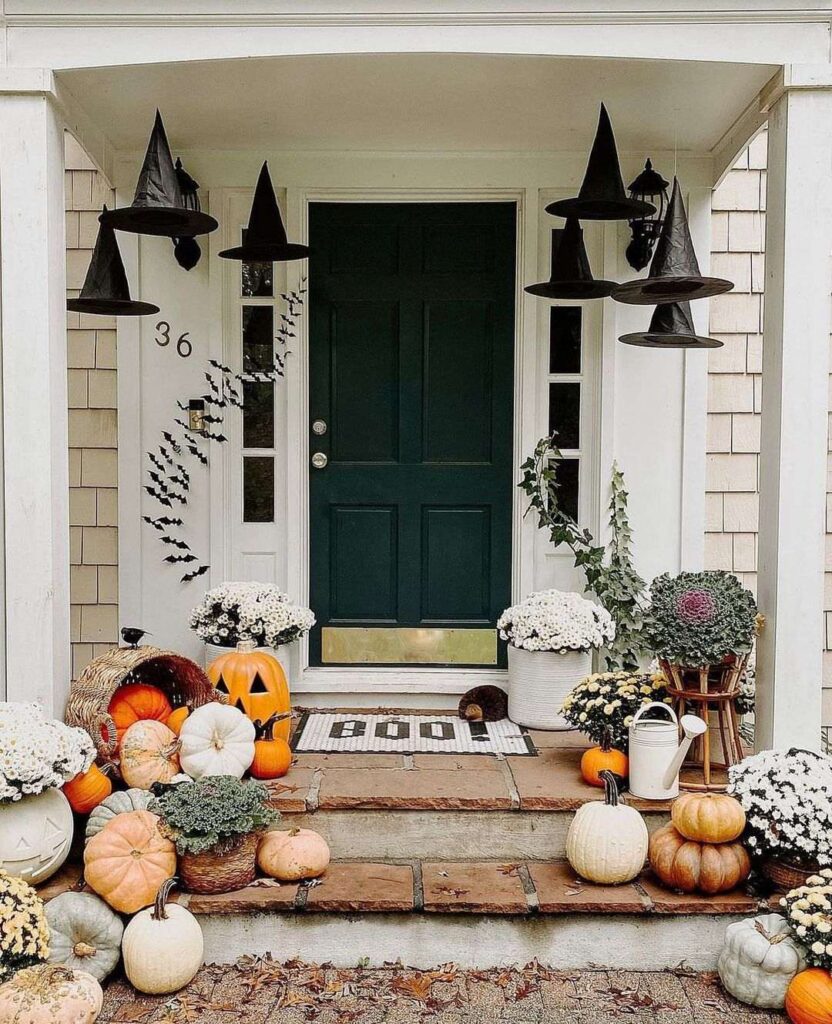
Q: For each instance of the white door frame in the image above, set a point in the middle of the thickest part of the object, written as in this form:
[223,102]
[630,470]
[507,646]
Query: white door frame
[422,678]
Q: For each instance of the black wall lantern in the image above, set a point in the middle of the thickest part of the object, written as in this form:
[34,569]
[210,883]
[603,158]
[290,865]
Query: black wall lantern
[649,187]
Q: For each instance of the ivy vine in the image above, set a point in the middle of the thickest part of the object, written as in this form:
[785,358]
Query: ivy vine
[610,573]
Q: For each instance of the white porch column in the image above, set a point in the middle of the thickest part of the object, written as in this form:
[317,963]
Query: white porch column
[34,400]
[795,404]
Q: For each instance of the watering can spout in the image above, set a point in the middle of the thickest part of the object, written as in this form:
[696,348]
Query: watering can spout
[693,727]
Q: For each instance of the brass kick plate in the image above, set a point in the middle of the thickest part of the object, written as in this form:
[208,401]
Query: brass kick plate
[407,645]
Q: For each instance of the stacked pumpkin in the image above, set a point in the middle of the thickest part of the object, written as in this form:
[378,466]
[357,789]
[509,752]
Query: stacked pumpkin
[699,850]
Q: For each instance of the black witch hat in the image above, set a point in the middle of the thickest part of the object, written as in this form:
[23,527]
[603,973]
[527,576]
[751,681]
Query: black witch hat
[265,238]
[158,207]
[571,277]
[602,195]
[674,273]
[106,290]
[671,326]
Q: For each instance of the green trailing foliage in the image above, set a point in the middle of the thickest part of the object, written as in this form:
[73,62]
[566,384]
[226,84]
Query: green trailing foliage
[610,573]
[213,812]
[697,618]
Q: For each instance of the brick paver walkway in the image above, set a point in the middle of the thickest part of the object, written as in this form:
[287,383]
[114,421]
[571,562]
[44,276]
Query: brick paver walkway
[268,993]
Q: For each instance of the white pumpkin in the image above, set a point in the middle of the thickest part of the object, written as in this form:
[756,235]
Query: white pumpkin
[607,842]
[84,934]
[217,739]
[120,802]
[759,959]
[162,946]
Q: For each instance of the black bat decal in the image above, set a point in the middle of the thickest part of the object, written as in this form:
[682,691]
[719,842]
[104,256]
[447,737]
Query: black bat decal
[181,544]
[171,440]
[196,572]
[160,481]
[161,498]
[174,559]
[193,450]
[157,462]
[215,437]
[161,523]
[183,482]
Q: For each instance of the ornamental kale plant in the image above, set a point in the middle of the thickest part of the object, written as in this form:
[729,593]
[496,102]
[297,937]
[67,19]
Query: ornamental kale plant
[610,573]
[697,618]
[213,812]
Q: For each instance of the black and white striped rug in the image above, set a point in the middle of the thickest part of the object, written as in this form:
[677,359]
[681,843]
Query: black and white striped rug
[320,732]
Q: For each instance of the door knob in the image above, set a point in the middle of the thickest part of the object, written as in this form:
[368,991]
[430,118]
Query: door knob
[319,460]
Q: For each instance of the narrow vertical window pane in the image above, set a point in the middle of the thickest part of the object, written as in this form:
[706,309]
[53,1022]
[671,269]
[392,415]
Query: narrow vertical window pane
[257,278]
[565,414]
[258,414]
[258,489]
[258,338]
[567,473]
[565,339]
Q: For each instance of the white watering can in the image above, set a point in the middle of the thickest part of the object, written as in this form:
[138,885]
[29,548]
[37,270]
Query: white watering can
[656,755]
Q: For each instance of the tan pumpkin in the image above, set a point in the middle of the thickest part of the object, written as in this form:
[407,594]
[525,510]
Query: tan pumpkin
[127,861]
[50,994]
[294,855]
[809,997]
[149,753]
[697,867]
[708,817]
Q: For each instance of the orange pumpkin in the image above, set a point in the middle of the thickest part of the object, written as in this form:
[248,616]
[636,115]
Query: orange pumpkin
[809,997]
[255,683]
[697,867]
[708,817]
[127,861]
[603,758]
[272,754]
[149,753]
[176,719]
[87,790]
[137,702]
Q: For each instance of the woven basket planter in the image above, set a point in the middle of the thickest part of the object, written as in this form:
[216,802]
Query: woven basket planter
[783,875]
[211,872]
[181,680]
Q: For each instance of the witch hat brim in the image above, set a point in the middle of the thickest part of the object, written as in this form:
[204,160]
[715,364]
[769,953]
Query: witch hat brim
[105,289]
[671,326]
[265,238]
[674,273]
[158,207]
[571,274]
[602,195]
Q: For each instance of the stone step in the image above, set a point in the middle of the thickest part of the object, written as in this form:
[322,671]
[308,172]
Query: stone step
[475,914]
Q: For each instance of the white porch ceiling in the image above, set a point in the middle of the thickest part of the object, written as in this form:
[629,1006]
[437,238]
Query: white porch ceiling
[418,102]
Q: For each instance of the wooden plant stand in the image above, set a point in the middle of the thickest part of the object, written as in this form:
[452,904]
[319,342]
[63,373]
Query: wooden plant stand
[700,691]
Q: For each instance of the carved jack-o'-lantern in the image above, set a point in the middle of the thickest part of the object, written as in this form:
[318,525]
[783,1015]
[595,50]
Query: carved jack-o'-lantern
[255,683]
[35,834]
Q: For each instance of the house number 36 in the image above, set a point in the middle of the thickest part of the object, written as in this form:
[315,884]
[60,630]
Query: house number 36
[183,346]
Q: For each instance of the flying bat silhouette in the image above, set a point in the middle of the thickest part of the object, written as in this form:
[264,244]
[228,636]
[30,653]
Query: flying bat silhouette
[173,559]
[196,572]
[162,522]
[161,498]
[167,539]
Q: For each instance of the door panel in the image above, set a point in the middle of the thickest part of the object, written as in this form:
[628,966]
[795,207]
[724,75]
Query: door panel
[411,369]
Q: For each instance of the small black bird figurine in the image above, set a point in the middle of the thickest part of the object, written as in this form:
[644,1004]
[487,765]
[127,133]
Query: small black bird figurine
[132,636]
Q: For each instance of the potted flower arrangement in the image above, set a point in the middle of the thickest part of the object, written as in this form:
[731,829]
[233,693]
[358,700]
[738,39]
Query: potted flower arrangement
[701,626]
[216,823]
[37,756]
[551,636]
[808,911]
[24,932]
[602,707]
[256,614]
[787,799]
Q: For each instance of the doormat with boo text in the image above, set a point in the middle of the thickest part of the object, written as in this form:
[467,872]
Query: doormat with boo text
[349,733]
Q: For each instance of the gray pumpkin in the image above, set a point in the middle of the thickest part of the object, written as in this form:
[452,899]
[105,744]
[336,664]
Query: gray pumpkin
[116,803]
[84,934]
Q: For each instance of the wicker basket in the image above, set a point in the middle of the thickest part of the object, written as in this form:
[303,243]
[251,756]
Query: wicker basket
[784,876]
[211,872]
[181,680]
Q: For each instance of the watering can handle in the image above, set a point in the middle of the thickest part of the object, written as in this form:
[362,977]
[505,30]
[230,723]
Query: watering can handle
[655,704]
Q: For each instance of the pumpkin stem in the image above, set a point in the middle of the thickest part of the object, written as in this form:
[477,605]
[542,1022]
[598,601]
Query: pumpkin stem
[172,748]
[83,949]
[610,788]
[159,913]
[246,646]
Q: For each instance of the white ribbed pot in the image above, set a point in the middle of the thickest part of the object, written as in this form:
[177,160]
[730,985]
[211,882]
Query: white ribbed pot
[538,682]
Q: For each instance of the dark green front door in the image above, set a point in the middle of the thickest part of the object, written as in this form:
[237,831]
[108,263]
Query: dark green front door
[411,395]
